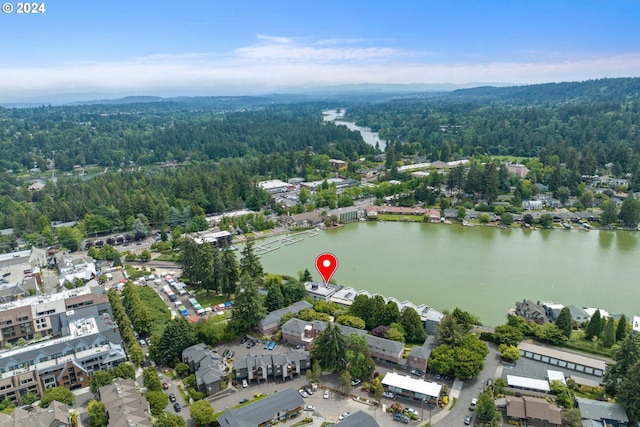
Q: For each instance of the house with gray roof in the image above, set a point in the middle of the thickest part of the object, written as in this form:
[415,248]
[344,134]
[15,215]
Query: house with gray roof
[269,324]
[281,406]
[419,355]
[359,419]
[207,366]
[56,415]
[603,413]
[578,314]
[275,366]
[124,404]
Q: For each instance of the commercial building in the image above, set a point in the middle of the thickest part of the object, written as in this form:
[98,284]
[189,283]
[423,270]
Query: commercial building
[274,186]
[281,406]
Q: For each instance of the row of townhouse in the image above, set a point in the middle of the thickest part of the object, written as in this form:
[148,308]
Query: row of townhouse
[207,366]
[82,341]
[274,366]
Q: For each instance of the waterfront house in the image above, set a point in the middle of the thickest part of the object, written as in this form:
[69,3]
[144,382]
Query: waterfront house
[532,311]
[269,324]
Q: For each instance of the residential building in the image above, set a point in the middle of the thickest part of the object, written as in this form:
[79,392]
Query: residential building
[419,355]
[412,388]
[359,419]
[602,413]
[347,214]
[278,407]
[207,366]
[578,314]
[532,311]
[56,415]
[533,411]
[300,332]
[269,324]
[337,164]
[563,359]
[321,292]
[274,366]
[518,170]
[531,205]
[124,404]
[89,342]
[636,323]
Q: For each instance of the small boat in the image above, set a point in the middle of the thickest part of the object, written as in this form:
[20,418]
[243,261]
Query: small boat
[566,225]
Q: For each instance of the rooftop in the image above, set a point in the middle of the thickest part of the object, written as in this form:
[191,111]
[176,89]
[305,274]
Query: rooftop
[415,385]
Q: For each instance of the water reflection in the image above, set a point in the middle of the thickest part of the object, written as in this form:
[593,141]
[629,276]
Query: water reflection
[626,240]
[605,238]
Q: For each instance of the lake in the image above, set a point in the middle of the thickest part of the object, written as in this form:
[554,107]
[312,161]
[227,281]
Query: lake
[484,270]
[370,137]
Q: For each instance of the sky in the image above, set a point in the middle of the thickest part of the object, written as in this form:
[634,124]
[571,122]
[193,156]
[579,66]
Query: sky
[239,47]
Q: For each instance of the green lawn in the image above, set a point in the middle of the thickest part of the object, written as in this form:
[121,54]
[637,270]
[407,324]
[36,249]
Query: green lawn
[577,342]
[402,218]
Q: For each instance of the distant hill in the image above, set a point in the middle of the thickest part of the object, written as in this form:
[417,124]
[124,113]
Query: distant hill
[600,90]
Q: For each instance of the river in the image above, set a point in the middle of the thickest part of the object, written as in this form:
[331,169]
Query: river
[369,136]
[484,270]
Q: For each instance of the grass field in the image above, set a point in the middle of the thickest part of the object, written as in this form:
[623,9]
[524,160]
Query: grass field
[159,310]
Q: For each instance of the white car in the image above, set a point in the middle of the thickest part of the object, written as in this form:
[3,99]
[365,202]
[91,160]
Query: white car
[343,416]
[389,395]
[245,384]
[326,394]
[303,393]
[309,408]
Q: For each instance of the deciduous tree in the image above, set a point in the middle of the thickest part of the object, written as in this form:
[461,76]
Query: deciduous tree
[60,394]
[97,414]
[359,361]
[202,412]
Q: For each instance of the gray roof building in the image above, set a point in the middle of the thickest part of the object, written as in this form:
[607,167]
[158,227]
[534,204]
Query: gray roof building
[207,366]
[359,419]
[604,412]
[124,405]
[272,409]
[56,415]
[271,322]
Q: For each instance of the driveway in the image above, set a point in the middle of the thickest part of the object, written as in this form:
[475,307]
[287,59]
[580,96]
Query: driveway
[184,413]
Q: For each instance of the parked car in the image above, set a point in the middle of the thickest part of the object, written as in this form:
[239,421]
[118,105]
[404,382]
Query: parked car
[225,353]
[165,386]
[473,404]
[326,394]
[172,397]
[266,345]
[343,416]
[230,354]
[308,390]
[412,411]
[272,345]
[243,340]
[303,393]
[309,408]
[176,407]
[400,418]
[467,420]
[417,372]
[355,381]
[389,395]
[245,384]
[244,400]
[438,377]
[250,344]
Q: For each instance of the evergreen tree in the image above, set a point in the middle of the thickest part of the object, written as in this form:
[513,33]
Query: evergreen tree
[247,307]
[177,336]
[594,327]
[609,333]
[413,326]
[621,329]
[564,321]
[230,275]
[629,392]
[329,349]
[275,299]
[391,313]
[449,331]
[625,357]
[250,263]
[306,276]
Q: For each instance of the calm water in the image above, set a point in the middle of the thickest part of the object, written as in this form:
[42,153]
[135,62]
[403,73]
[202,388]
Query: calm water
[370,137]
[484,270]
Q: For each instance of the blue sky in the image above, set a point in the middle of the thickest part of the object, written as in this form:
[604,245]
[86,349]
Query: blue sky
[222,47]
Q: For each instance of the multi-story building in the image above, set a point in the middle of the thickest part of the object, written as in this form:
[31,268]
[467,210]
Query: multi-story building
[56,415]
[124,404]
[278,407]
[275,366]
[88,341]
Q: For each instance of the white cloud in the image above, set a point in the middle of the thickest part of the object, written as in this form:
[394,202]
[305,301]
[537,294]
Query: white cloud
[278,63]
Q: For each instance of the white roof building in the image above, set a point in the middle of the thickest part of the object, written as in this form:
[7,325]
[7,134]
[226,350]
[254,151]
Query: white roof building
[411,387]
[528,383]
[636,323]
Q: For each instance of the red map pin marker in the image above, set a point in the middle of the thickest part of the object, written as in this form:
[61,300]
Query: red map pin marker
[326,264]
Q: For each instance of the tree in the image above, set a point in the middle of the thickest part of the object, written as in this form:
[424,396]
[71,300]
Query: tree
[630,212]
[157,400]
[391,313]
[329,349]
[550,333]
[29,398]
[170,420]
[486,410]
[594,327]
[442,359]
[546,220]
[466,319]
[306,276]
[609,212]
[69,237]
[351,321]
[564,321]
[359,361]
[124,370]
[97,414]
[395,334]
[621,328]
[99,379]
[449,331]
[275,299]
[625,356]
[609,333]
[177,336]
[509,352]
[250,263]
[467,363]
[229,273]
[248,307]
[413,326]
[506,218]
[345,382]
[561,390]
[202,412]
[59,394]
[150,379]
[629,392]
[117,262]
